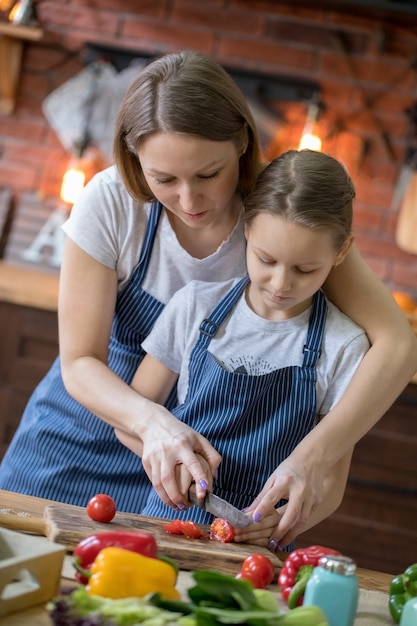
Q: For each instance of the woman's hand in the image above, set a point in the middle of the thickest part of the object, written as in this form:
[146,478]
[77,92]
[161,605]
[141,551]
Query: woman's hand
[164,445]
[185,479]
[170,443]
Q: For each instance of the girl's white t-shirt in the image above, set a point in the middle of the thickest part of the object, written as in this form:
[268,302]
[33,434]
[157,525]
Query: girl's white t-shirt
[248,344]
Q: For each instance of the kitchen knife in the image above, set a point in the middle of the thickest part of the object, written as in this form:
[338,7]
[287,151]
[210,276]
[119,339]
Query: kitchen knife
[220,508]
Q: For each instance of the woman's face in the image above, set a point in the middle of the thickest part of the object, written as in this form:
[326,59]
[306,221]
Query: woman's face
[287,264]
[193,178]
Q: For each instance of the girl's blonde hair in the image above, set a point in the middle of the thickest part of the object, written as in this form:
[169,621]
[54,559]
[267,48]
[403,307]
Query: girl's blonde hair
[310,188]
[184,92]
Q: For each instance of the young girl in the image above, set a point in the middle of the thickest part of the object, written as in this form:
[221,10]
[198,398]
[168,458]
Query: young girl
[259,360]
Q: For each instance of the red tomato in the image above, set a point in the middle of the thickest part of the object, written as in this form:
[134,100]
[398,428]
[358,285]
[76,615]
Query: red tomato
[174,527]
[101,508]
[259,569]
[222,530]
[188,528]
[251,577]
[191,530]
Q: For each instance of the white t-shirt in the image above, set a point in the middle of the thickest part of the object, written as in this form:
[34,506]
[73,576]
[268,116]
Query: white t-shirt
[248,343]
[110,226]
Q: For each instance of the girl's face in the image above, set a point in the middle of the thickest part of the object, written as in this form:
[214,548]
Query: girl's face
[287,264]
[195,179]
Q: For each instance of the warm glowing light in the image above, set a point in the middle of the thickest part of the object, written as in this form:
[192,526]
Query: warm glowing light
[6,5]
[72,184]
[310,142]
[309,137]
[14,11]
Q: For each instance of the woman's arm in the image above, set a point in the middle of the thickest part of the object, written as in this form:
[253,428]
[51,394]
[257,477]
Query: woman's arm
[392,360]
[155,381]
[87,299]
[385,370]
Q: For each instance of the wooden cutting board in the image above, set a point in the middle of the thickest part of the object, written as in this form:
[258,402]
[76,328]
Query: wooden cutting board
[68,525]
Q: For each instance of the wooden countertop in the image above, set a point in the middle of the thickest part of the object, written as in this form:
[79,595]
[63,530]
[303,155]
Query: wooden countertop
[37,616]
[28,287]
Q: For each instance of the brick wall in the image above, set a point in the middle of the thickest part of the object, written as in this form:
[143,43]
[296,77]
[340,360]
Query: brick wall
[366,92]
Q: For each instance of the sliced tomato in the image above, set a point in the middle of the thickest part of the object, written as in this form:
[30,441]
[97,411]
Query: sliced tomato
[191,530]
[174,527]
[222,530]
[188,528]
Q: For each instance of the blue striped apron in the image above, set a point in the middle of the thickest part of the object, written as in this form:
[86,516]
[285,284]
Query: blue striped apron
[62,451]
[254,422]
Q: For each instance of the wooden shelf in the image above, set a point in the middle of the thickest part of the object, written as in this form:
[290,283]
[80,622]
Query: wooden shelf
[12,38]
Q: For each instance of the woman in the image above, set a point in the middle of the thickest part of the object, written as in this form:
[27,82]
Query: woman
[141,230]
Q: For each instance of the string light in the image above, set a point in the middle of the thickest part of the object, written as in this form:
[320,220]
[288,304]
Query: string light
[84,163]
[72,182]
[309,137]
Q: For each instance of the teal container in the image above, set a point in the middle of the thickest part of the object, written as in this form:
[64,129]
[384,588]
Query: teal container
[333,586]
[409,613]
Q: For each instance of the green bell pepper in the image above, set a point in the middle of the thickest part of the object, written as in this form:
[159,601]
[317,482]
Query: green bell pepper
[402,588]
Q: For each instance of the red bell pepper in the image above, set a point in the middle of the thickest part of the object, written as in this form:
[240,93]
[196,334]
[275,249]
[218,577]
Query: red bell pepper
[86,551]
[296,571]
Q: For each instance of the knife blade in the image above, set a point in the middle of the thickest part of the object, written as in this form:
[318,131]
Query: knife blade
[220,508]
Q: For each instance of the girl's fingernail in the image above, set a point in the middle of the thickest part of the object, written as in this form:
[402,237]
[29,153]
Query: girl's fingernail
[181,507]
[257,517]
[273,544]
[203,484]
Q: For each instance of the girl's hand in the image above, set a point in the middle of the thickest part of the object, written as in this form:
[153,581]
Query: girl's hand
[302,485]
[259,533]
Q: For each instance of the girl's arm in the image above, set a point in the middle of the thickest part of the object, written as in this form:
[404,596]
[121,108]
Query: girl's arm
[153,380]
[87,300]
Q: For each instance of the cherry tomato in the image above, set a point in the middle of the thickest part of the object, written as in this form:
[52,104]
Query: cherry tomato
[191,530]
[259,569]
[174,527]
[101,508]
[252,577]
[222,530]
[188,528]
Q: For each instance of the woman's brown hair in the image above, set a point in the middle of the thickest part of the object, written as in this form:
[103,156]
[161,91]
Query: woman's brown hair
[184,92]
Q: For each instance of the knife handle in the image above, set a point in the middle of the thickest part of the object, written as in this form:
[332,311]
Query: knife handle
[192,496]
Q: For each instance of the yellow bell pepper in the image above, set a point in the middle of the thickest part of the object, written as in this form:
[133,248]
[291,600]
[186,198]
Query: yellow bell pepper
[119,573]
